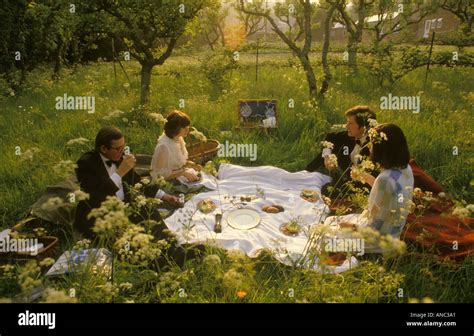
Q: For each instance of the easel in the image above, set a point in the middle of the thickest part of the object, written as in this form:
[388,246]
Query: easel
[114,58]
[429,61]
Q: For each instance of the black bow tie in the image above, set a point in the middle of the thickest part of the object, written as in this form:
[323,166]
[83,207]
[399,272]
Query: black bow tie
[109,163]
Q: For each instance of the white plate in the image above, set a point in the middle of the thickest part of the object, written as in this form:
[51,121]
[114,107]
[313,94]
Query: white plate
[243,219]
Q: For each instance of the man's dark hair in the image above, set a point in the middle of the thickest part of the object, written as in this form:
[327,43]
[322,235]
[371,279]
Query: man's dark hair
[362,114]
[105,137]
[393,152]
[175,122]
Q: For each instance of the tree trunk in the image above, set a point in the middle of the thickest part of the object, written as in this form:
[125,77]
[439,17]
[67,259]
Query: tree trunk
[352,50]
[324,54]
[468,28]
[145,82]
[58,61]
[308,69]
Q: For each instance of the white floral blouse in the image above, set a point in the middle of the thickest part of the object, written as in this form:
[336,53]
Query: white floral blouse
[169,156]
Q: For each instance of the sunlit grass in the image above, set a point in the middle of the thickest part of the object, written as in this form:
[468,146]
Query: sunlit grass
[31,120]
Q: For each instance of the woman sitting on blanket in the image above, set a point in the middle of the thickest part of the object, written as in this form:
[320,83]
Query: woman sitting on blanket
[391,192]
[170,158]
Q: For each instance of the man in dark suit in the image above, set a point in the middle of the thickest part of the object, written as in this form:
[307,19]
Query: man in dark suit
[106,171]
[348,146]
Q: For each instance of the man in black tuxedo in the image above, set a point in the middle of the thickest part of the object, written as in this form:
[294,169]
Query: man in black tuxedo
[349,147]
[106,171]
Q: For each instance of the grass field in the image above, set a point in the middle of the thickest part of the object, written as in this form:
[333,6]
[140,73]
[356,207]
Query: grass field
[30,122]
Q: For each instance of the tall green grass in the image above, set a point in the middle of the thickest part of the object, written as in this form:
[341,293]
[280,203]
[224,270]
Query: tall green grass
[31,120]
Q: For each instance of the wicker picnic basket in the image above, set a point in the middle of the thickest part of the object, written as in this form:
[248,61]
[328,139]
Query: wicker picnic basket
[50,243]
[201,152]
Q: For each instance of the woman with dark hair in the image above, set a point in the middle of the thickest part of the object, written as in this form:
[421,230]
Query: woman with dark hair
[170,156]
[391,193]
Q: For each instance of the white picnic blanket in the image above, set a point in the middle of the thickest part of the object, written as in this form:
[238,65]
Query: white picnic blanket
[279,187]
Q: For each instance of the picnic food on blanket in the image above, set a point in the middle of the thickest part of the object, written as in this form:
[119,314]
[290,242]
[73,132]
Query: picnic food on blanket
[206,205]
[247,198]
[309,195]
[292,228]
[274,208]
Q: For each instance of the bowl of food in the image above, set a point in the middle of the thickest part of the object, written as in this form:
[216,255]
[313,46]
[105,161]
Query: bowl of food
[206,206]
[292,228]
[309,195]
[273,208]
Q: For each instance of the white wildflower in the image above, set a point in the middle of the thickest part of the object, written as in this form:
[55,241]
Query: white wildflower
[332,160]
[367,165]
[470,207]
[327,144]
[82,244]
[140,200]
[64,168]
[78,141]
[52,204]
[372,122]
[80,195]
[157,117]
[46,262]
[461,212]
[417,192]
[376,137]
[57,296]
[110,217]
[113,115]
[357,173]
[137,247]
[125,286]
[30,153]
[137,186]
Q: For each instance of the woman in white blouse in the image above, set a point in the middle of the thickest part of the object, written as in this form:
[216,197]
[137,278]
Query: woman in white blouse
[171,157]
[391,192]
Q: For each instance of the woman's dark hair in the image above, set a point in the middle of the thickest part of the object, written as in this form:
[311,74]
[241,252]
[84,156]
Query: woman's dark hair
[393,152]
[175,122]
[362,114]
[105,137]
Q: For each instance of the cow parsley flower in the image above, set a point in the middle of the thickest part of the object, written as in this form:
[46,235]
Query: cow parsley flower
[327,144]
